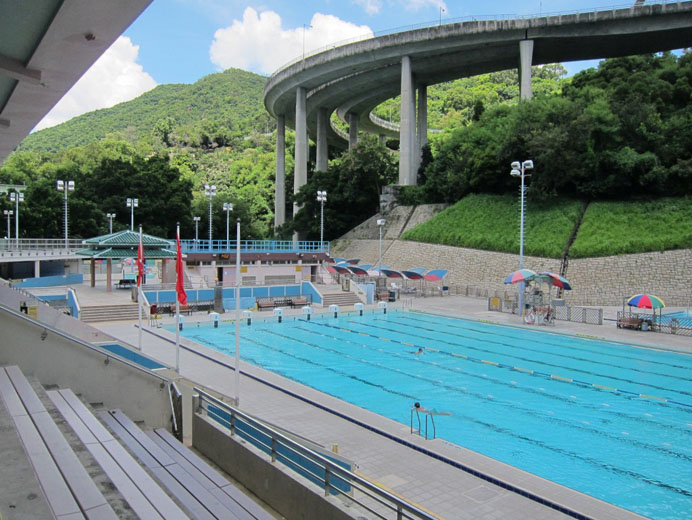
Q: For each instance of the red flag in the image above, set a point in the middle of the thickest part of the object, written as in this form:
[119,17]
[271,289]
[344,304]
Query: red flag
[179,281]
[140,260]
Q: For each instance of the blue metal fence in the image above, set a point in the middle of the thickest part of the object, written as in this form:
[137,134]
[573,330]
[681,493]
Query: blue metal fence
[254,246]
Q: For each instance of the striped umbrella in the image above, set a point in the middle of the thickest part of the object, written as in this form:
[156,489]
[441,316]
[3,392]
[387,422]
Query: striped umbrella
[522,275]
[435,275]
[555,279]
[646,301]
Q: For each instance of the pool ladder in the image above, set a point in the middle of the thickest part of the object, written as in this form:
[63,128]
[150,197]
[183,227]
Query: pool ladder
[416,411]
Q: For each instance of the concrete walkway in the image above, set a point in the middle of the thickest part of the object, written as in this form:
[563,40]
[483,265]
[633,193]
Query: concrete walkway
[431,484]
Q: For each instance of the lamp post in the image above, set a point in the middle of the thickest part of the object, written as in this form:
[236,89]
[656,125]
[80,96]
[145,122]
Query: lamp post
[8,215]
[519,170]
[210,191]
[132,204]
[110,217]
[16,197]
[321,198]
[238,280]
[65,186]
[227,207]
[380,223]
[196,219]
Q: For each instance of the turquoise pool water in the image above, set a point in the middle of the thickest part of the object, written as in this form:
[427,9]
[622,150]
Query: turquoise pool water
[609,420]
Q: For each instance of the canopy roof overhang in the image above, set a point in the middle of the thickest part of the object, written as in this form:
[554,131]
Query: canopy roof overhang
[125,244]
[45,47]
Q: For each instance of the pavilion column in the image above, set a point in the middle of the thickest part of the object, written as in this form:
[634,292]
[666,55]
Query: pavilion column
[37,268]
[422,127]
[352,131]
[164,262]
[322,159]
[92,272]
[525,62]
[109,274]
[280,179]
[407,127]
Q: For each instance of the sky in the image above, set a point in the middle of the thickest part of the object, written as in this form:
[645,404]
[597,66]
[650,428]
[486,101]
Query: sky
[180,41]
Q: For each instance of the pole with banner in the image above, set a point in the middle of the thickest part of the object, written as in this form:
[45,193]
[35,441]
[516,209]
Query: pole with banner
[181,296]
[140,276]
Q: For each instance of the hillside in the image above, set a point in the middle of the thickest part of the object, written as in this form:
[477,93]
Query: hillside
[230,99]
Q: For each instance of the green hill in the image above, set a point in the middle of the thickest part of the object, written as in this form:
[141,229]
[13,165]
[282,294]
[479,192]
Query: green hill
[229,101]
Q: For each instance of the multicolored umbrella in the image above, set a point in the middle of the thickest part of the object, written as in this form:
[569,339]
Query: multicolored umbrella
[419,270]
[522,275]
[337,260]
[389,273]
[358,270]
[353,261]
[435,275]
[341,269]
[646,301]
[367,267]
[380,267]
[412,275]
[555,279]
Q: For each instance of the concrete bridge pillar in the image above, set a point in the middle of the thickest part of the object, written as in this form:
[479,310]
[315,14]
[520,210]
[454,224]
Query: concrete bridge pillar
[422,127]
[352,131]
[300,176]
[407,128]
[525,61]
[280,180]
[322,159]
[37,268]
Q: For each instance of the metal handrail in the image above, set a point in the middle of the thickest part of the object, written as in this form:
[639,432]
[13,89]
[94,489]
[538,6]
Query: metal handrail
[447,21]
[401,508]
[254,246]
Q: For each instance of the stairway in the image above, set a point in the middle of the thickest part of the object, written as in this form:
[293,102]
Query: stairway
[93,313]
[341,299]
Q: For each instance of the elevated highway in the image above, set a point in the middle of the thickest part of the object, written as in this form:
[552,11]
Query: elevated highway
[353,79]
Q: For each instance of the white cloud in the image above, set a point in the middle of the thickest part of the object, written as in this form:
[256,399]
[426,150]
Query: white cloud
[370,6]
[259,43]
[115,77]
[415,5]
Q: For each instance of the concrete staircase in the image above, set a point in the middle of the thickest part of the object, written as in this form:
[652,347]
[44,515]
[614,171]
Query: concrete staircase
[341,299]
[94,313]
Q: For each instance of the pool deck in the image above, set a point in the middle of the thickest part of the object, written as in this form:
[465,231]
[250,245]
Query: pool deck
[425,480]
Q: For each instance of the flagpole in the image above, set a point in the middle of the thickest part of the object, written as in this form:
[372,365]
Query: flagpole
[177,304]
[237,315]
[140,255]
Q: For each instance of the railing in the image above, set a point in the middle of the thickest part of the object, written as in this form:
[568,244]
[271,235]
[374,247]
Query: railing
[254,246]
[471,18]
[34,245]
[335,479]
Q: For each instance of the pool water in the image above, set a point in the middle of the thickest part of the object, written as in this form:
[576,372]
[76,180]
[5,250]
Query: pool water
[609,420]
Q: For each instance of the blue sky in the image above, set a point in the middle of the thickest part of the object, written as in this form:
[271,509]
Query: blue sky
[180,41]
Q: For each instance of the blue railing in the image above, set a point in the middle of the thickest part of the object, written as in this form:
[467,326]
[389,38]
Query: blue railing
[254,246]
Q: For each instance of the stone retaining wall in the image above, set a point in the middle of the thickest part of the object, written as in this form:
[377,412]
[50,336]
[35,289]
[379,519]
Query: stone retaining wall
[596,281]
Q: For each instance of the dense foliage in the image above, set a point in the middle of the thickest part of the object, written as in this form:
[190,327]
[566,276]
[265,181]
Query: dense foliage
[622,130]
[353,183]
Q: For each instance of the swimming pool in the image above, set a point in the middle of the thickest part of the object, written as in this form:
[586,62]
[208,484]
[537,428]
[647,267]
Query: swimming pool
[610,420]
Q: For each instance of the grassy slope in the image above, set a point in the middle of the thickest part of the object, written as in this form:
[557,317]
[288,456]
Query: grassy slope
[491,222]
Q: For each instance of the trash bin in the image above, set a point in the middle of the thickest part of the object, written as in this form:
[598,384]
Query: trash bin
[645,325]
[392,296]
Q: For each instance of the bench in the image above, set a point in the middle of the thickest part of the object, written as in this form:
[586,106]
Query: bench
[298,301]
[126,283]
[382,295]
[265,303]
[629,323]
[202,490]
[142,493]
[68,488]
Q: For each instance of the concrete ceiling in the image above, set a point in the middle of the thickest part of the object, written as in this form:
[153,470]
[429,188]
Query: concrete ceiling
[45,47]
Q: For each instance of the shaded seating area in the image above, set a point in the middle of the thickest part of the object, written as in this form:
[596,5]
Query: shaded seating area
[272,302]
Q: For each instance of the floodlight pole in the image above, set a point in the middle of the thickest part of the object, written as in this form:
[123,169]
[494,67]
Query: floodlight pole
[519,170]
[65,186]
[380,223]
